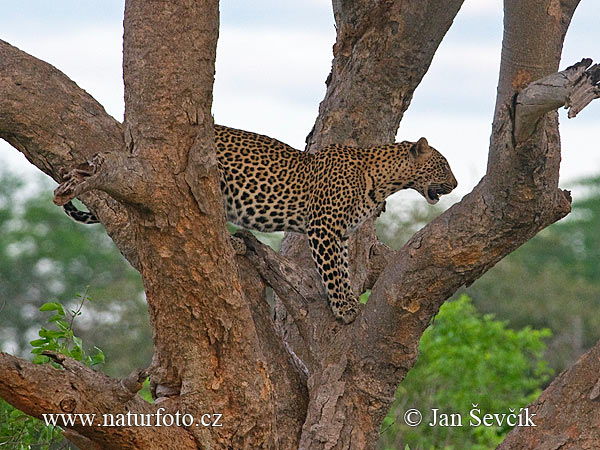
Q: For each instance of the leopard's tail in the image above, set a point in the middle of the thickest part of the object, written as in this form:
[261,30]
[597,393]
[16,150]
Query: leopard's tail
[78,215]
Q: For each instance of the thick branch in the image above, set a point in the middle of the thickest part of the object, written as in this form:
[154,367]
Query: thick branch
[296,286]
[381,54]
[534,33]
[567,413]
[120,175]
[57,125]
[286,370]
[207,348]
[42,389]
[518,197]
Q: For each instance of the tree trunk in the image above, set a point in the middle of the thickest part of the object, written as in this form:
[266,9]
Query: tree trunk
[298,379]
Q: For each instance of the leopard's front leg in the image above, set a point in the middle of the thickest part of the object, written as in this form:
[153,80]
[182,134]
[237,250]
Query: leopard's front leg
[330,253]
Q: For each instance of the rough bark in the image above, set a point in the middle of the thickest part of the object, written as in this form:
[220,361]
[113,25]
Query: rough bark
[574,88]
[176,219]
[187,264]
[79,389]
[58,127]
[365,362]
[567,415]
[297,379]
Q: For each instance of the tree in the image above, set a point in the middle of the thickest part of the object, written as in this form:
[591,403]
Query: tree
[299,379]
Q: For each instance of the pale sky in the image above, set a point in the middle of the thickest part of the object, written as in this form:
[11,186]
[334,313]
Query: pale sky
[274,56]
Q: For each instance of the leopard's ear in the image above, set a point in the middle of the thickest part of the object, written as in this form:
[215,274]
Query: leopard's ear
[420,148]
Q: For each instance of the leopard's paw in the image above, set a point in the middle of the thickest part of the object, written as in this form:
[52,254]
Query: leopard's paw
[346,310]
[239,246]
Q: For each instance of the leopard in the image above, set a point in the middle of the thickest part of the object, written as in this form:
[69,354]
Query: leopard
[270,186]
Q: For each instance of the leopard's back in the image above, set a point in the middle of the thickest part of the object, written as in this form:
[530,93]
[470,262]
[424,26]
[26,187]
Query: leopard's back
[263,181]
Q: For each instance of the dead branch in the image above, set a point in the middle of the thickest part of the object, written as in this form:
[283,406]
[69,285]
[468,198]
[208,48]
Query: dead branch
[574,87]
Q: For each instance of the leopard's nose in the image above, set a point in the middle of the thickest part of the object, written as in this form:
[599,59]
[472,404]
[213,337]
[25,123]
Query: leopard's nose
[454,182]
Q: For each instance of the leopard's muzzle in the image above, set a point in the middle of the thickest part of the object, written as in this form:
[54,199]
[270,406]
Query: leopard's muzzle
[435,191]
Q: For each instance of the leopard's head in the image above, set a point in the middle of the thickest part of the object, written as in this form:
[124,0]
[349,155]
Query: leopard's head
[433,177]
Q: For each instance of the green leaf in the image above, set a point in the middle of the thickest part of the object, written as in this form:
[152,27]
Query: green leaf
[97,358]
[64,326]
[53,306]
[365,296]
[56,318]
[78,342]
[465,358]
[40,359]
[51,334]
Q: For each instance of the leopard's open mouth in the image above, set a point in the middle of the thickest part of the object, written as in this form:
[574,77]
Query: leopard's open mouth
[435,191]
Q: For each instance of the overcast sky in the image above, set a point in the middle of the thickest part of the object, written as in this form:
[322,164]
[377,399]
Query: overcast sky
[274,56]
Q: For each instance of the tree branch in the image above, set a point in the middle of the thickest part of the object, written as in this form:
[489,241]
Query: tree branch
[518,197]
[380,56]
[121,176]
[57,125]
[295,286]
[567,412]
[286,370]
[206,346]
[42,389]
[574,88]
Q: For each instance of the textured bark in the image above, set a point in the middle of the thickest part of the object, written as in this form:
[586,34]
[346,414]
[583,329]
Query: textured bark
[356,380]
[57,127]
[574,88]
[291,377]
[207,354]
[187,264]
[42,389]
[567,412]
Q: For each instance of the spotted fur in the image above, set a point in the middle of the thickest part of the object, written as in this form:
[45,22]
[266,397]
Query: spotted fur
[79,216]
[270,186]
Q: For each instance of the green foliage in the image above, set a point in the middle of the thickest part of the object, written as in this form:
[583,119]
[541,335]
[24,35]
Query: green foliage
[62,340]
[364,297]
[466,358]
[145,391]
[44,254]
[18,431]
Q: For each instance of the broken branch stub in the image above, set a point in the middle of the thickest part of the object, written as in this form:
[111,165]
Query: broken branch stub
[575,87]
[123,177]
